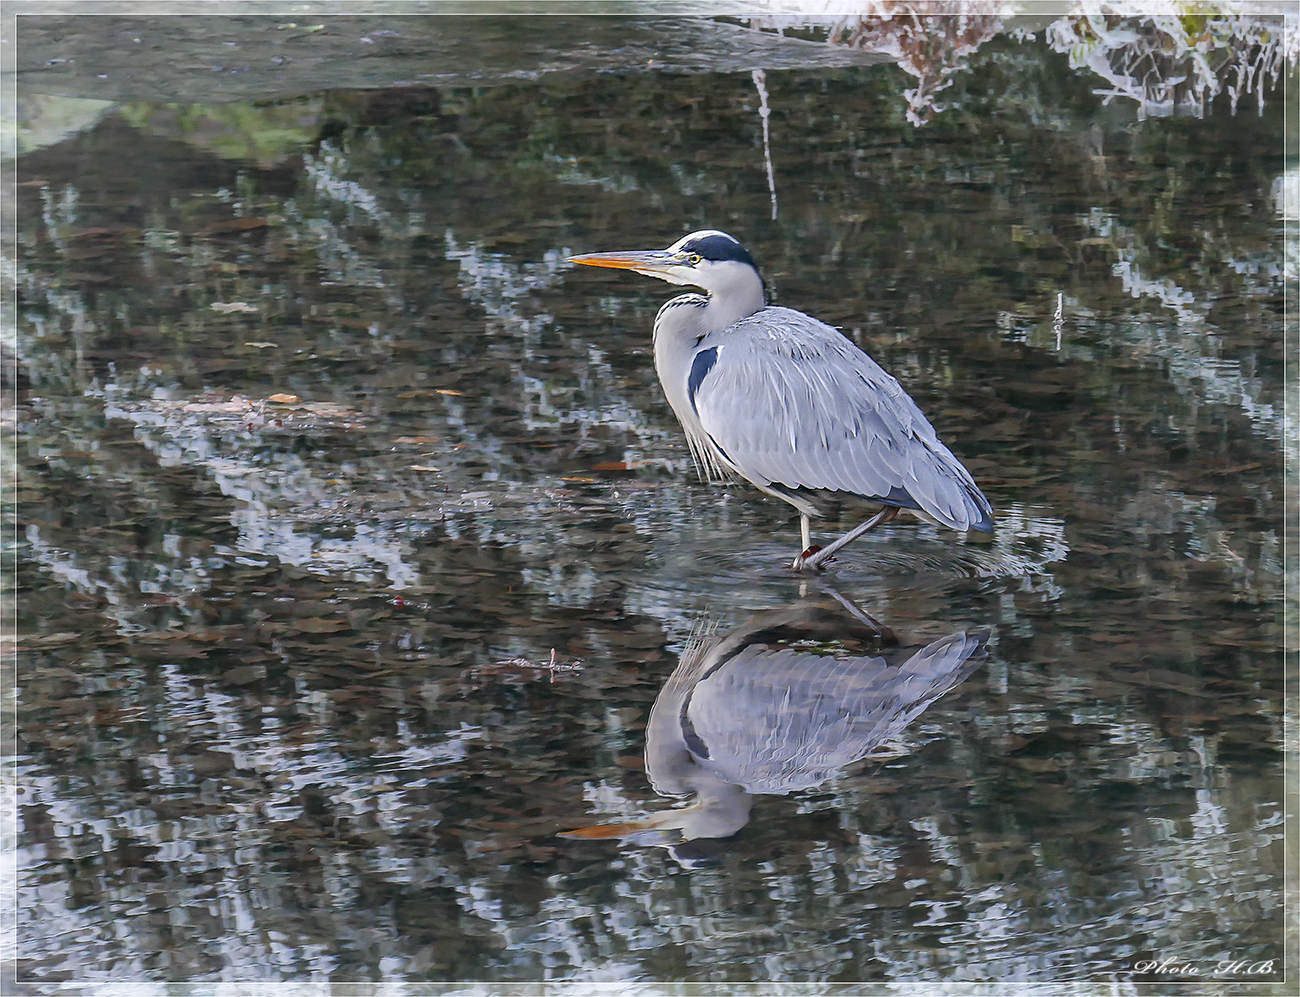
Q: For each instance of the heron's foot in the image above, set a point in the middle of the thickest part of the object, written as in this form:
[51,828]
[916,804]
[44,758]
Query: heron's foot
[808,560]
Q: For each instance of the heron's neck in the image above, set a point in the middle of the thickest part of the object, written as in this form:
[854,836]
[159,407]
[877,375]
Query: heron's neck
[739,299]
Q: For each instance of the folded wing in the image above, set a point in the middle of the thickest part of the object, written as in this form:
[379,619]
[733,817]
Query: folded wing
[790,402]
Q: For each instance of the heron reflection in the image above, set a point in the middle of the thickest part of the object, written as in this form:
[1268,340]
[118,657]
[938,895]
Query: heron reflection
[780,704]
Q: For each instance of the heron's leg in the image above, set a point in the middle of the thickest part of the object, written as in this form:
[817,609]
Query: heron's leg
[814,562]
[805,525]
[883,632]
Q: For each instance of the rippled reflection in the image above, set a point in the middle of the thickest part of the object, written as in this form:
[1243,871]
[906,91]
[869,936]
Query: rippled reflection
[781,704]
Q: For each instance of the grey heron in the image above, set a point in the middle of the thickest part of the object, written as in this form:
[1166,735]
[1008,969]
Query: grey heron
[759,711]
[788,403]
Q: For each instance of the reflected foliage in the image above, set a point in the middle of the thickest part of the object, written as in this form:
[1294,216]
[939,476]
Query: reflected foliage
[1165,63]
[1169,63]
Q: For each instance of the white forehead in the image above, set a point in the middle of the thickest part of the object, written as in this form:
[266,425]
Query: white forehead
[703,233]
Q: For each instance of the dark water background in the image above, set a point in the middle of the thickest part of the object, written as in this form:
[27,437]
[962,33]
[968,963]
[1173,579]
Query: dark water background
[283,708]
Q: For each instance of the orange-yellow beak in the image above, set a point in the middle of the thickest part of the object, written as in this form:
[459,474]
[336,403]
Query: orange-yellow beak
[610,830]
[652,263]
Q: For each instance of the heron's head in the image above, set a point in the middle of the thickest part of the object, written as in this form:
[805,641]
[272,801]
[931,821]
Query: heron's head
[707,259]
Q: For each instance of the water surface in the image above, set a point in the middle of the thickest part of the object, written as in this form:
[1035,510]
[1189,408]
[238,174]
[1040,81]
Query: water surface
[357,540]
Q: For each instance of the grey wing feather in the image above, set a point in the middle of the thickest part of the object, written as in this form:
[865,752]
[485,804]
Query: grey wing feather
[777,720]
[791,402]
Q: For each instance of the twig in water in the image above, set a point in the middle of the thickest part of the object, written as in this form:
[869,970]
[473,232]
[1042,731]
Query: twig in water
[765,112]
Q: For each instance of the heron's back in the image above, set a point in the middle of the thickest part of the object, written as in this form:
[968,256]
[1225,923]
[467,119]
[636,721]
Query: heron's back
[790,404]
[780,719]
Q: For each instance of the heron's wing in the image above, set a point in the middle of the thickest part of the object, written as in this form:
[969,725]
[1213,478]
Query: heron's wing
[790,402]
[776,720]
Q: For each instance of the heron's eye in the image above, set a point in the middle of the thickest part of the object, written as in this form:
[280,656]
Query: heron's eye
[694,259]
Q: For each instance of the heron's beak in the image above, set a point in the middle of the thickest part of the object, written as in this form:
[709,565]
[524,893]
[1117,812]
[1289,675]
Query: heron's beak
[652,263]
[608,830]
[666,819]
